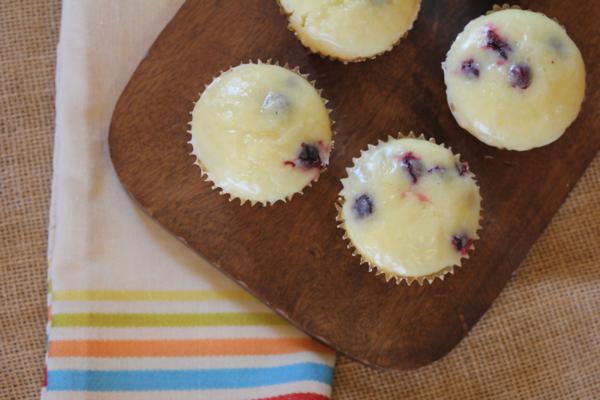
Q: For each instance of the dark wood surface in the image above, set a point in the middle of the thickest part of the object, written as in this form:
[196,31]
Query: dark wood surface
[291,256]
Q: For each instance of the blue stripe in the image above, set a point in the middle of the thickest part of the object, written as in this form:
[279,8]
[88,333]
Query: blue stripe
[137,380]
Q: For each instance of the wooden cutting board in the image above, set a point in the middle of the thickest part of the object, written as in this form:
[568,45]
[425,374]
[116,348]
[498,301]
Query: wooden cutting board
[291,256]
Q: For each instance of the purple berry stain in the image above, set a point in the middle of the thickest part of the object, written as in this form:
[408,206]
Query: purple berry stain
[462,168]
[421,197]
[363,206]
[413,165]
[470,69]
[495,42]
[462,243]
[519,76]
[436,170]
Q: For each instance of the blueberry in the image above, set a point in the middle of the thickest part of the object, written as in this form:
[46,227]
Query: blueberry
[470,69]
[275,103]
[363,206]
[309,156]
[496,43]
[556,44]
[413,165]
[461,243]
[519,76]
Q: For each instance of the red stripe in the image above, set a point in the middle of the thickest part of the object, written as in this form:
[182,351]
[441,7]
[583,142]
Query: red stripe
[297,396]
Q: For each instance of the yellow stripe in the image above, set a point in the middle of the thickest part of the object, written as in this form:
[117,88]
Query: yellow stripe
[145,295]
[98,320]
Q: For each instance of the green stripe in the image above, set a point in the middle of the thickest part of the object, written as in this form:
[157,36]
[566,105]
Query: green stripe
[165,320]
[145,295]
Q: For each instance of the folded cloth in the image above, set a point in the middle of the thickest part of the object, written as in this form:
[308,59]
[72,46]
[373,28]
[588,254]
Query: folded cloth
[134,314]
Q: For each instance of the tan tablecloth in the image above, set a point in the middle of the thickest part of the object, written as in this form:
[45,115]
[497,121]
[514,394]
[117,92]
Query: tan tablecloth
[540,340]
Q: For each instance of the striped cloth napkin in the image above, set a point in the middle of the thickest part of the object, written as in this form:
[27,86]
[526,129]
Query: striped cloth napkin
[133,314]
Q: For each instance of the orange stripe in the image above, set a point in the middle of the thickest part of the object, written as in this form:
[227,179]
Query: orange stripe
[181,348]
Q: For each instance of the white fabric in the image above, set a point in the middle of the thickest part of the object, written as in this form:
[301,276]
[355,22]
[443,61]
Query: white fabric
[100,240]
[101,44]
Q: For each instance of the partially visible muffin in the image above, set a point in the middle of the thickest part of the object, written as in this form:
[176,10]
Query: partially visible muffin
[514,79]
[410,208]
[351,30]
[261,133]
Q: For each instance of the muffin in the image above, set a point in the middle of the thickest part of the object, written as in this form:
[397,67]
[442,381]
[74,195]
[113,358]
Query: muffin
[350,30]
[261,133]
[410,208]
[514,79]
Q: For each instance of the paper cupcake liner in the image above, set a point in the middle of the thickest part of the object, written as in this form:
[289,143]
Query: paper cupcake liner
[337,58]
[502,7]
[205,172]
[430,278]
[506,6]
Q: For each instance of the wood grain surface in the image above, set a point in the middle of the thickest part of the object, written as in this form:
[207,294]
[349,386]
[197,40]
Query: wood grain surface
[292,256]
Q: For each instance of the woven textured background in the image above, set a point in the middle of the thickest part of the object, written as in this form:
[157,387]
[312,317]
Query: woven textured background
[28,37]
[540,340]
